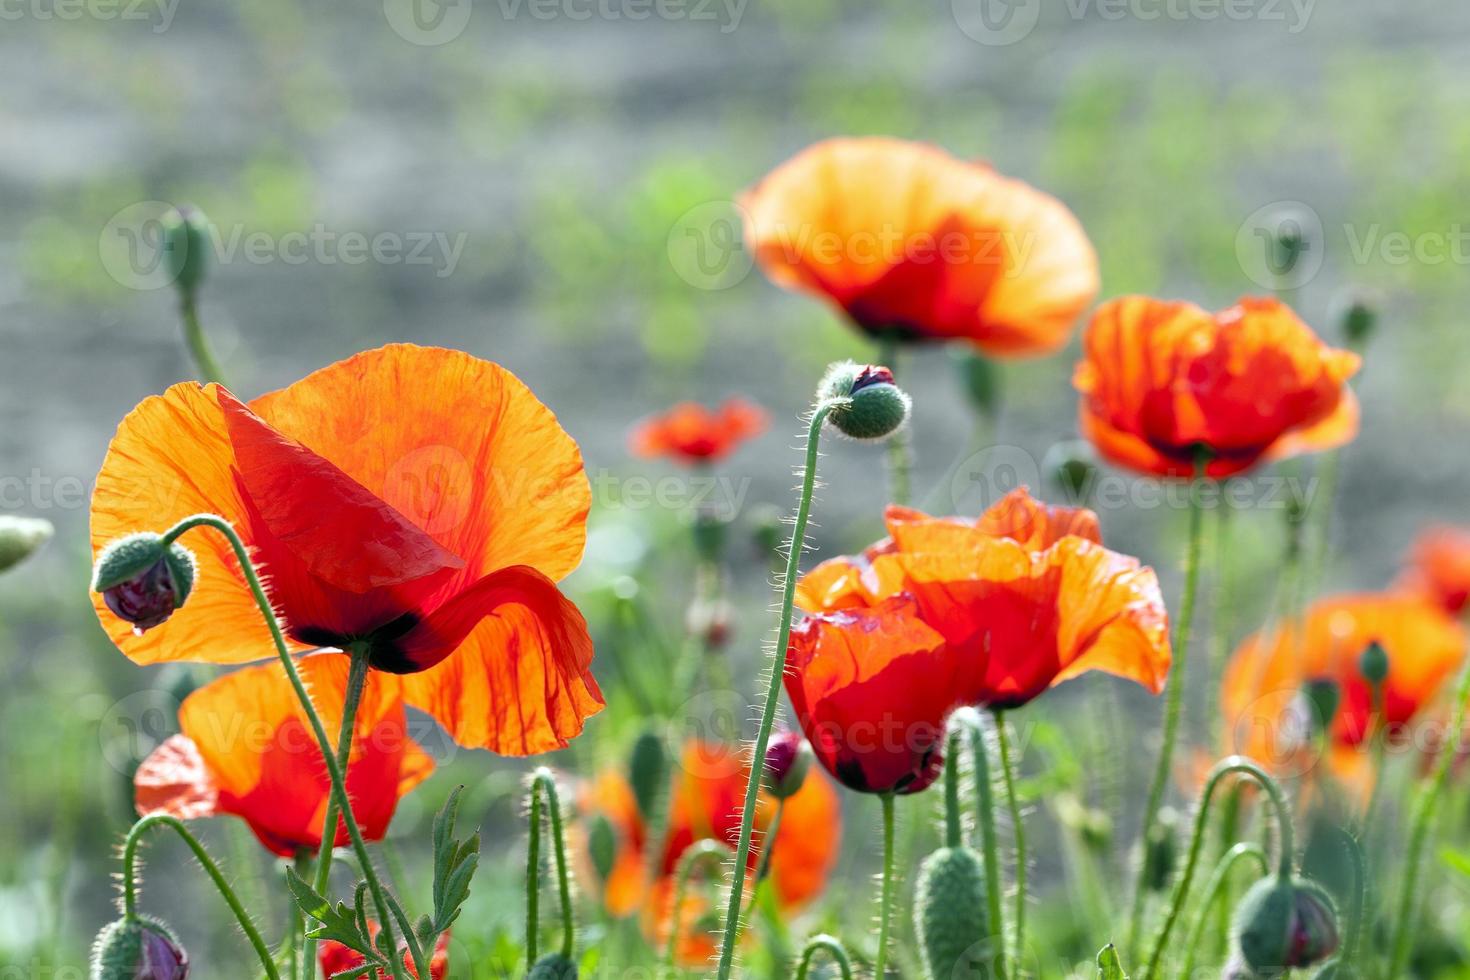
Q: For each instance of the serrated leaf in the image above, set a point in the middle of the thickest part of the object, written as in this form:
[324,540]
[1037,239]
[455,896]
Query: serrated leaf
[455,862]
[338,924]
[1109,967]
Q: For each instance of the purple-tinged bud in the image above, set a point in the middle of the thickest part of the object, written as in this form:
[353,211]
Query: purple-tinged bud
[142,581]
[1285,923]
[142,948]
[788,758]
[870,405]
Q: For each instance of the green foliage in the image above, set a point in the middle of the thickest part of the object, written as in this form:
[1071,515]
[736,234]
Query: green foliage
[1109,966]
[339,923]
[950,915]
[455,862]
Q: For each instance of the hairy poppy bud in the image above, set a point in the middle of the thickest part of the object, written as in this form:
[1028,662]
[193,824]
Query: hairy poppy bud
[788,757]
[142,581]
[1073,465]
[21,537]
[1161,850]
[553,966]
[141,948]
[877,407]
[1323,697]
[1373,663]
[186,246]
[980,380]
[950,914]
[602,846]
[1285,923]
[648,770]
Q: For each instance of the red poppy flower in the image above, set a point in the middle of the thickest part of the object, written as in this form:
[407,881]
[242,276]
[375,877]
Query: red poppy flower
[1439,567]
[708,795]
[247,750]
[417,502]
[1264,684]
[1161,380]
[949,612]
[691,433]
[336,958]
[912,243]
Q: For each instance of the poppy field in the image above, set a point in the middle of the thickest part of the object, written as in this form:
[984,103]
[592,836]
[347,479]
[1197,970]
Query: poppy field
[1015,536]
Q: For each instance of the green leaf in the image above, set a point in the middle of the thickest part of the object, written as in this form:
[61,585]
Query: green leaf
[1458,860]
[338,924]
[455,862]
[1109,967]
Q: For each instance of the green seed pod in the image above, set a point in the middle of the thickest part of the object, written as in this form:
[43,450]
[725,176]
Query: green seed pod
[950,914]
[648,772]
[1373,663]
[1073,465]
[877,407]
[1359,318]
[1283,923]
[186,247]
[1323,698]
[21,537]
[553,966]
[142,948]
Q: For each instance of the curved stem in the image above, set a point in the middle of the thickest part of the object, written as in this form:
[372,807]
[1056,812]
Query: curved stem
[543,783]
[1225,767]
[1423,820]
[356,680]
[334,771]
[1003,740]
[1175,695]
[1213,889]
[985,813]
[953,830]
[885,894]
[1349,952]
[900,453]
[705,851]
[198,344]
[130,882]
[833,947]
[773,687]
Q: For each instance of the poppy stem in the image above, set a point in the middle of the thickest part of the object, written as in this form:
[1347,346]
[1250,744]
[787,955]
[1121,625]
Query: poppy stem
[885,895]
[1175,696]
[985,814]
[356,680]
[130,882]
[1003,740]
[768,848]
[953,830]
[1230,765]
[773,687]
[334,771]
[706,851]
[198,344]
[830,945]
[543,783]
[900,452]
[1424,813]
[1214,888]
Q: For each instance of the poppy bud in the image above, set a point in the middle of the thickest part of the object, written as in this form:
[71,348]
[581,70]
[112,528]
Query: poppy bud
[787,759]
[876,407]
[602,846]
[710,532]
[140,948]
[142,581]
[648,769]
[1373,663]
[981,382]
[1359,318]
[1093,827]
[553,966]
[950,913]
[1073,465]
[709,619]
[1161,850]
[1285,923]
[21,537]
[1323,697]
[186,247]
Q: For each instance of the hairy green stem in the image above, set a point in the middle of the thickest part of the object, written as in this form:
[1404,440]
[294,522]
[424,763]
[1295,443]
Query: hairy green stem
[768,849]
[1003,740]
[885,893]
[830,945]
[334,771]
[1214,888]
[130,882]
[198,344]
[706,851]
[543,784]
[953,830]
[773,687]
[985,815]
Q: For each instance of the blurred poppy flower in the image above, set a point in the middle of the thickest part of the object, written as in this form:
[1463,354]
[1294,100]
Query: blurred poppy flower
[708,794]
[336,958]
[1267,693]
[417,502]
[1162,380]
[950,612]
[915,244]
[1439,567]
[246,749]
[693,434]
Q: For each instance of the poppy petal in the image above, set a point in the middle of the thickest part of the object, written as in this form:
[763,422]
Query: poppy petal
[175,780]
[504,665]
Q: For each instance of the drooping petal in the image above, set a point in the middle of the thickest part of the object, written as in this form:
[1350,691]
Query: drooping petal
[504,665]
[457,445]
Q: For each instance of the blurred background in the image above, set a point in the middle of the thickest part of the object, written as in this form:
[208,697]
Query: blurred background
[550,184]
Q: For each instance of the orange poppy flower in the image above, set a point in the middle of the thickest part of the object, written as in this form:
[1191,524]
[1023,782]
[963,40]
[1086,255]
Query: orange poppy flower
[336,958]
[693,434]
[913,243]
[1161,380]
[246,749]
[418,502]
[950,612]
[1263,692]
[1439,567]
[708,795]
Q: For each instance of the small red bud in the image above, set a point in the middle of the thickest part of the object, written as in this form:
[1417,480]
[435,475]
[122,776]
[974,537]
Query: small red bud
[787,759]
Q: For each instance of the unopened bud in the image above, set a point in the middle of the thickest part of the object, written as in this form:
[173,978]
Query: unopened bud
[553,966]
[1359,318]
[1285,923]
[980,381]
[1373,663]
[1323,697]
[710,532]
[875,406]
[788,758]
[1092,826]
[140,948]
[648,771]
[21,537]
[1073,465]
[142,581]
[602,846]
[186,247]
[1161,850]
[950,913]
